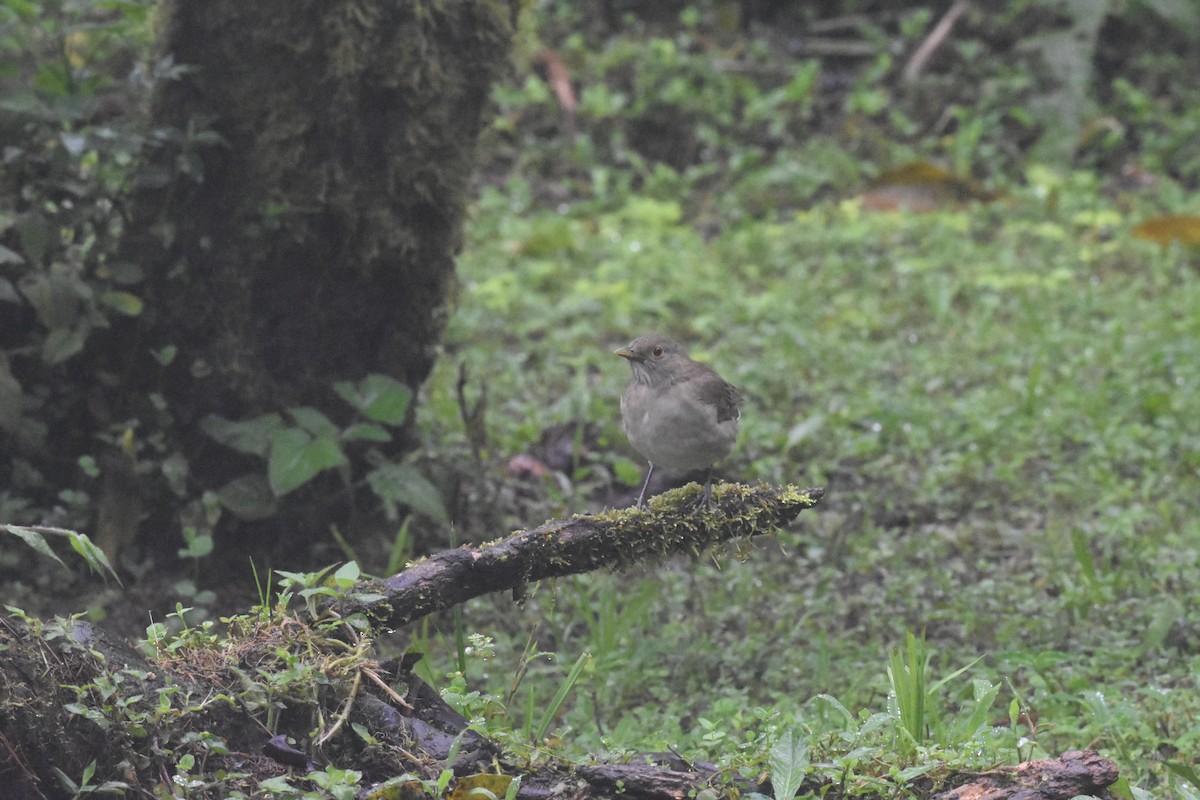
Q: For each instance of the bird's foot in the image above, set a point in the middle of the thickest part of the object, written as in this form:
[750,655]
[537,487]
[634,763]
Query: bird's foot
[705,502]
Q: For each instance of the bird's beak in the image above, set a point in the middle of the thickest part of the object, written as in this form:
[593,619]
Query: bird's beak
[625,352]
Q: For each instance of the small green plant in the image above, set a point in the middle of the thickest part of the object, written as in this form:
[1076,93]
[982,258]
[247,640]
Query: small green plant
[550,712]
[327,583]
[906,675]
[338,784]
[789,762]
[84,785]
[912,699]
[35,537]
[305,443]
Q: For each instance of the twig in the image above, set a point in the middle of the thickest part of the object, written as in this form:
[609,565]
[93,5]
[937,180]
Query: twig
[15,757]
[389,691]
[934,40]
[344,714]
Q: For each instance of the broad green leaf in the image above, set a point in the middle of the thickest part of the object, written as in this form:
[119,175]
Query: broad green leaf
[1185,771]
[198,545]
[249,497]
[366,431]
[916,771]
[789,762]
[34,230]
[123,302]
[346,574]
[347,391]
[62,343]
[96,560]
[296,457]
[57,298]
[34,540]
[314,422]
[379,397]
[253,436]
[278,784]
[165,355]
[386,399]
[403,484]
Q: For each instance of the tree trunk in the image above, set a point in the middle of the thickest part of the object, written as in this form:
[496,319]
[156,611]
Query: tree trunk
[301,224]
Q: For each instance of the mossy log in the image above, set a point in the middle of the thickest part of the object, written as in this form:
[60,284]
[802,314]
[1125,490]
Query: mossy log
[582,543]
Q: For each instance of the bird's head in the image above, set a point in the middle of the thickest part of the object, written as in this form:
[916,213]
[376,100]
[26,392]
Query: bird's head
[654,358]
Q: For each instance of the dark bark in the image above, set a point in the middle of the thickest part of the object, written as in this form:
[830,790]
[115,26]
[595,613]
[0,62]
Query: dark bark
[1076,772]
[320,240]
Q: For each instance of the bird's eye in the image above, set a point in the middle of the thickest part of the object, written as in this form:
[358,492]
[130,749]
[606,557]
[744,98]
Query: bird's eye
[658,351]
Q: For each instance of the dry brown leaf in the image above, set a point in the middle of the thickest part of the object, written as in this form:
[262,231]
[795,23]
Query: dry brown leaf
[1182,228]
[921,186]
[560,80]
[465,786]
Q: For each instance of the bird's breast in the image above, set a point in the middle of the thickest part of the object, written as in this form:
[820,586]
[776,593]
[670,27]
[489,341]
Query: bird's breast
[675,430]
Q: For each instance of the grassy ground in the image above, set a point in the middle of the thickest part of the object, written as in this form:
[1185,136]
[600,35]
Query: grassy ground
[1001,400]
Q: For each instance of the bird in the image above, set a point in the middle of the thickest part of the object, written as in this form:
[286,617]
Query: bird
[677,413]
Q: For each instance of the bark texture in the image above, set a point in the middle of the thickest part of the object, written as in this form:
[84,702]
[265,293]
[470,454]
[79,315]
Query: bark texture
[1074,773]
[316,237]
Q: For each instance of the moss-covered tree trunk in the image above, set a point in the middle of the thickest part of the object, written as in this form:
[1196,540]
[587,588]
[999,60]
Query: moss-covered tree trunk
[310,197]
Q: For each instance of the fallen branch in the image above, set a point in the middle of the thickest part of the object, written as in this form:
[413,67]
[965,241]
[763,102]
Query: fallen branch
[580,544]
[1075,772]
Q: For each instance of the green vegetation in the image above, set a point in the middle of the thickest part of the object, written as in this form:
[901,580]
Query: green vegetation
[1002,399]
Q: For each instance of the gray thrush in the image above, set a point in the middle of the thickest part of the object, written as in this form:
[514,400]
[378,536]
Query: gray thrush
[678,413]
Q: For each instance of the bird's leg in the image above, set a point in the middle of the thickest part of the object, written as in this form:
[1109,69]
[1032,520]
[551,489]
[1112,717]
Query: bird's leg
[706,495]
[642,495]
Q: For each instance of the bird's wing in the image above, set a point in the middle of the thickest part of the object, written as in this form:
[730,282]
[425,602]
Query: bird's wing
[714,391]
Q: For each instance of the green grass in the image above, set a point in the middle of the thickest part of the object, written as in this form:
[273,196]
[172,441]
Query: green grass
[1001,401]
